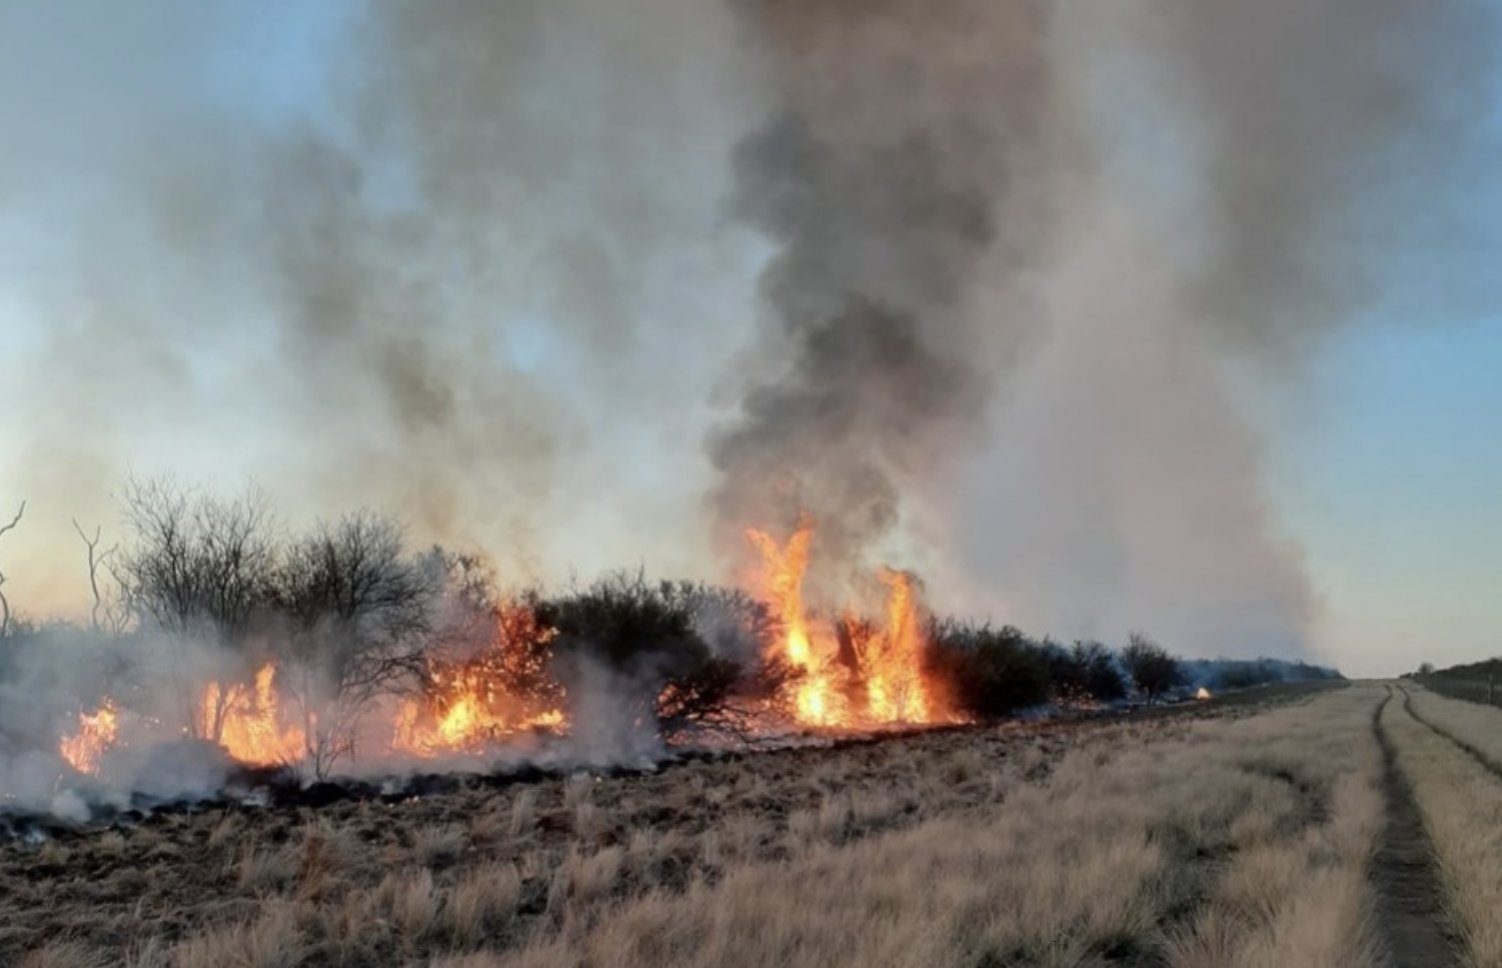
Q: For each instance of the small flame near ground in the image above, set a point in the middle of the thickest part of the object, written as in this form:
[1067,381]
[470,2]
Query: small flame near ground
[1202,693]
[97,732]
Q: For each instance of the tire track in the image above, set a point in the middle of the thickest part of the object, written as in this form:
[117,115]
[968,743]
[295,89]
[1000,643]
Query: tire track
[1473,752]
[1404,872]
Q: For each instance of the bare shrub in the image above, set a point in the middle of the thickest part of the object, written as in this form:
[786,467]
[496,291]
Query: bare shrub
[360,614]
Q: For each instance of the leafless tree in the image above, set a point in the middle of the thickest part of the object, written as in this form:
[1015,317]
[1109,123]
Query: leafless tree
[199,568]
[4,602]
[361,614]
[199,565]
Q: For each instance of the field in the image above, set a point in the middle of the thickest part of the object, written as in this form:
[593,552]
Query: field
[1349,826]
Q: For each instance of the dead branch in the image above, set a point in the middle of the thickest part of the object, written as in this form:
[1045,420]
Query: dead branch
[5,603]
[96,558]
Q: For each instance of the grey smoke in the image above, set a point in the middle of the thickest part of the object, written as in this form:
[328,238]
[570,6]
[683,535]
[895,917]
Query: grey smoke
[423,281]
[486,265]
[1334,132]
[905,143]
[1035,242]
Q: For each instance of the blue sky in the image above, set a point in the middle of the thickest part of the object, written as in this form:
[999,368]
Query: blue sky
[1390,473]
[1383,450]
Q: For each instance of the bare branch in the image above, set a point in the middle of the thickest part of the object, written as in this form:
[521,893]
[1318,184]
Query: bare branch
[4,603]
[96,558]
[15,520]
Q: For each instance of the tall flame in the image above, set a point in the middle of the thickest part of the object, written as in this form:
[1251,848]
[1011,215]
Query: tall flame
[814,698]
[895,690]
[248,722]
[97,732]
[880,679]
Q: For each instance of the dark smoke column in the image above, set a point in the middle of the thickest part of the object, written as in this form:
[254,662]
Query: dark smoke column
[906,148]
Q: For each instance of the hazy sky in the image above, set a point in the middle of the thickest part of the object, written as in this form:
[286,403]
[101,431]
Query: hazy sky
[244,241]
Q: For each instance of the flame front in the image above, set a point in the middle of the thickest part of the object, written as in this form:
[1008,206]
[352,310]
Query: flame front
[495,683]
[248,722]
[97,732]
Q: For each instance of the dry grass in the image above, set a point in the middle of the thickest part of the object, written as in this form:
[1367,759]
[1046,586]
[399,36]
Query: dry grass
[1461,803]
[1239,840]
[1193,847]
[1476,725]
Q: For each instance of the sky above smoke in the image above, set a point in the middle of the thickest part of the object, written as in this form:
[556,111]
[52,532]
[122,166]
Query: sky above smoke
[1170,316]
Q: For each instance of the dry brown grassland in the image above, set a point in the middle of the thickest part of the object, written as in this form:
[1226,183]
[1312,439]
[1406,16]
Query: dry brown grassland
[1236,838]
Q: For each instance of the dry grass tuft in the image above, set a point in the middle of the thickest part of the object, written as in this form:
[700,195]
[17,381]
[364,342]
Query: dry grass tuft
[64,954]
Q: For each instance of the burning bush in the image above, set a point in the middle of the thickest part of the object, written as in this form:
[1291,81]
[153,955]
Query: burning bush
[489,675]
[359,616]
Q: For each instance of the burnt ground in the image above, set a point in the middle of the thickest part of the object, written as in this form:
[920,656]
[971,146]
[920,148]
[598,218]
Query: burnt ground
[1410,908]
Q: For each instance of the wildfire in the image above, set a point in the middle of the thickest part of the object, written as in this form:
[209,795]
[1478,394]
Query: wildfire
[248,721]
[494,681]
[97,732]
[887,671]
[813,693]
[1202,693]
[469,703]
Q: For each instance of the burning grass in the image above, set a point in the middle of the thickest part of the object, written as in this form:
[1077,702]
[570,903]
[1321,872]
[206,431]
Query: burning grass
[1048,844]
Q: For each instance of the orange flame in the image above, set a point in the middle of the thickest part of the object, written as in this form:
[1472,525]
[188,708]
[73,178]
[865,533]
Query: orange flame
[471,703]
[815,699]
[884,666]
[472,720]
[249,721]
[96,733]
[895,690]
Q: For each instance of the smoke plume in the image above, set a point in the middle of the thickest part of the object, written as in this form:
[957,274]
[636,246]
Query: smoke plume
[904,144]
[1020,278]
[1190,190]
